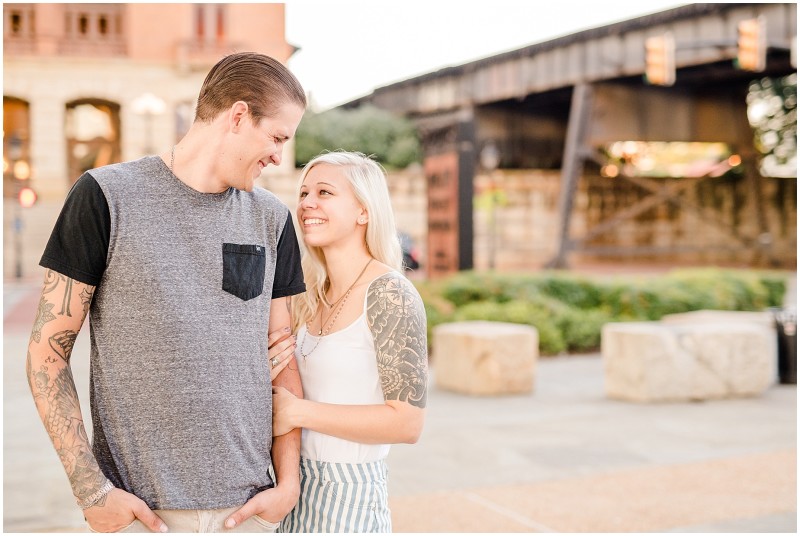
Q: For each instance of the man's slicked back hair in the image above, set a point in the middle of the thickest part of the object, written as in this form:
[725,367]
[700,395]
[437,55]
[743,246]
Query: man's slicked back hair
[264,83]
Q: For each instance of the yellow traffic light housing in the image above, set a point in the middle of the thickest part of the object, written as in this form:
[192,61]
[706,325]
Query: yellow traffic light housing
[752,44]
[660,60]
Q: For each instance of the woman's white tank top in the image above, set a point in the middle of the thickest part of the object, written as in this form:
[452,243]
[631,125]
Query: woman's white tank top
[341,369]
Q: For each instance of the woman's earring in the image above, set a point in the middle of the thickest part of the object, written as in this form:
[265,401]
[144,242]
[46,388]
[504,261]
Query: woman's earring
[362,221]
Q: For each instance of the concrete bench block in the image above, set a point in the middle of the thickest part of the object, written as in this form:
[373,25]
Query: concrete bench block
[485,358]
[710,316]
[655,361]
[707,316]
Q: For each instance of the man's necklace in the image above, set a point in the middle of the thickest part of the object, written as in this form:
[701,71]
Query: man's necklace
[336,309]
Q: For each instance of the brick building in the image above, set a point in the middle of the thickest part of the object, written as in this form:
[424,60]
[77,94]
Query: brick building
[92,84]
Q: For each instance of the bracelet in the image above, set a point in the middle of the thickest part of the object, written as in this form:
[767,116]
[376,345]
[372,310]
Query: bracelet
[95,497]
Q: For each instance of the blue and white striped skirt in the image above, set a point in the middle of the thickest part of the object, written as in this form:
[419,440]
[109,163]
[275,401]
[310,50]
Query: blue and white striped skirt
[341,497]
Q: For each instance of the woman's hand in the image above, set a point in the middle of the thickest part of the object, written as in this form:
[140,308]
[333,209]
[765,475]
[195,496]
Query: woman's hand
[283,405]
[281,345]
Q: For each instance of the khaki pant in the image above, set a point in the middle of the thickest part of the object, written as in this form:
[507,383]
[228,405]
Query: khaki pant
[202,521]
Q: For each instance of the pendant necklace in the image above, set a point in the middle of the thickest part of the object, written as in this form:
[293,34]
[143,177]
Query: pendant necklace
[336,309]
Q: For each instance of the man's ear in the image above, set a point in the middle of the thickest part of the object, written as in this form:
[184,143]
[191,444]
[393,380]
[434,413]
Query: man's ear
[237,113]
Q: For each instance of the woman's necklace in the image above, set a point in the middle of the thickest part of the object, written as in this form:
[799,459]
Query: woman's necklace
[335,306]
[336,309]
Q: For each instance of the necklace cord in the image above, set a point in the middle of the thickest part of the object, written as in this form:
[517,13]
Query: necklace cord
[324,329]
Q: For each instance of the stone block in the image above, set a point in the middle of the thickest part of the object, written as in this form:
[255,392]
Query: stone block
[485,358]
[659,362]
[706,316]
[709,316]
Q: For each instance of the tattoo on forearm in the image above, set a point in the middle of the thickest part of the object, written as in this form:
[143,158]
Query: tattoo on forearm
[396,317]
[43,316]
[67,295]
[53,387]
[57,400]
[62,342]
[51,280]
[86,299]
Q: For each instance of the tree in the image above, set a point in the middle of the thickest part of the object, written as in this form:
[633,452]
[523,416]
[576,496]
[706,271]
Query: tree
[772,111]
[392,140]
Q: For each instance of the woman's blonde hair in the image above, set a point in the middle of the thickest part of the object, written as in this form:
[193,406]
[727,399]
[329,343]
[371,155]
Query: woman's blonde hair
[368,181]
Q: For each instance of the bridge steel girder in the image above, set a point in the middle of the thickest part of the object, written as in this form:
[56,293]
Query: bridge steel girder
[606,53]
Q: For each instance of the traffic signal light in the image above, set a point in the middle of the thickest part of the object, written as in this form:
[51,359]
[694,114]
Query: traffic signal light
[752,44]
[659,67]
[27,197]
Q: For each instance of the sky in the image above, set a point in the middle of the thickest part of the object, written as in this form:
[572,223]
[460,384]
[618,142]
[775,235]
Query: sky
[347,49]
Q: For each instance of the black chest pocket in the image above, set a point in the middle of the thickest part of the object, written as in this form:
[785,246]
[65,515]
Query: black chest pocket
[243,267]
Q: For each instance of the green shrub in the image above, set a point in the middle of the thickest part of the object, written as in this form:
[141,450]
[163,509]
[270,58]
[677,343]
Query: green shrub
[469,287]
[776,289]
[581,328]
[574,291]
[732,290]
[569,311]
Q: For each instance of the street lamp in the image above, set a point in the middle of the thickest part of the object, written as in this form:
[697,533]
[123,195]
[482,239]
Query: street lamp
[148,106]
[490,160]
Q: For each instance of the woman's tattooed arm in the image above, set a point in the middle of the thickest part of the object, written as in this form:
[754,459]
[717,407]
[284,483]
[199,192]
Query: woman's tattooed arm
[396,317]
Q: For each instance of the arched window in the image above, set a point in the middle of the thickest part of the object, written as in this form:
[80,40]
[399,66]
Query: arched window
[16,144]
[92,131]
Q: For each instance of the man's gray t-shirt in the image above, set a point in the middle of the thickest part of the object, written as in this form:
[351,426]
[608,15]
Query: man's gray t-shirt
[180,385]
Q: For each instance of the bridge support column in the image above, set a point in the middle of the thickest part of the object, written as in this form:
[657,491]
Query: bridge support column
[572,166]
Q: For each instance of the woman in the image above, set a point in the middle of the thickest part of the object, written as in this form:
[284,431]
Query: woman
[361,349]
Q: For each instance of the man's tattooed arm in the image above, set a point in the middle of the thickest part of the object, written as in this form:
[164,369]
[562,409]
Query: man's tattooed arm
[396,317]
[50,378]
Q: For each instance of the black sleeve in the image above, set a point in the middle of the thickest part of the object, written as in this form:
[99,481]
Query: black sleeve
[288,271]
[78,245]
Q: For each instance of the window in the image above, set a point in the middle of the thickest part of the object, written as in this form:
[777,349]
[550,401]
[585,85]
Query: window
[220,23]
[92,132]
[209,22]
[93,29]
[16,150]
[18,23]
[199,22]
[83,24]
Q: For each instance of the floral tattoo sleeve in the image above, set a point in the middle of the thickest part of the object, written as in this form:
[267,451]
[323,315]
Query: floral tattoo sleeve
[396,317]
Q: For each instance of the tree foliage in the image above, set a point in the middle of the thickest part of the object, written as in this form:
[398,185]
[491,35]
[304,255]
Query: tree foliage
[392,140]
[772,111]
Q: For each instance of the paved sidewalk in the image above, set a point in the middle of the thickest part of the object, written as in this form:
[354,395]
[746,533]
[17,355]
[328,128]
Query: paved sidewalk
[563,459]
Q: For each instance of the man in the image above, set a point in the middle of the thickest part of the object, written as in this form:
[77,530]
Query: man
[184,267]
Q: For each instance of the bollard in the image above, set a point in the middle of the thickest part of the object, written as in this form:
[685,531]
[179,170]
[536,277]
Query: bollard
[786,327]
